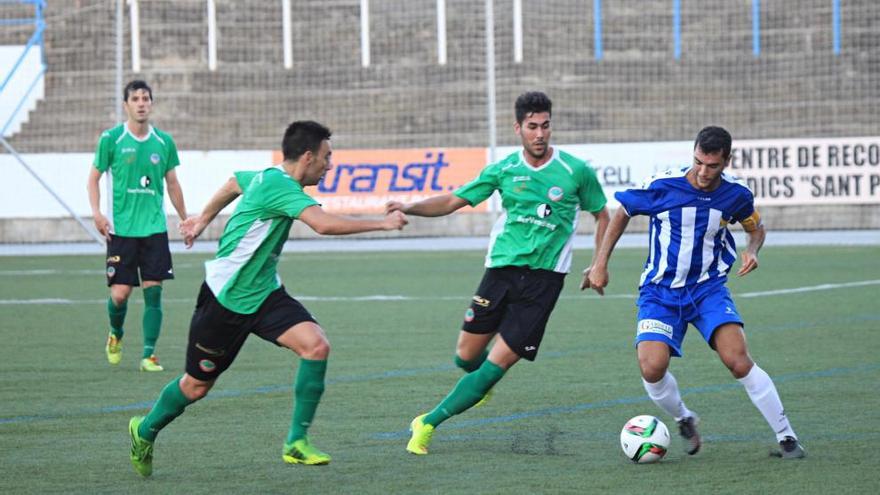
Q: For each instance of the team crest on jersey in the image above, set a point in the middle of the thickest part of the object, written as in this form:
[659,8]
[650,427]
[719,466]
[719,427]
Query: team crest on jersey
[544,210]
[469,315]
[154,158]
[554,193]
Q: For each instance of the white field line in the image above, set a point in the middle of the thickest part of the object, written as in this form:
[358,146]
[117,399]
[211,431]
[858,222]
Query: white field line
[391,297]
[810,288]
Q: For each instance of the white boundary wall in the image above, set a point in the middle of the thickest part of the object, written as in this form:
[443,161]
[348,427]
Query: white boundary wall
[799,184]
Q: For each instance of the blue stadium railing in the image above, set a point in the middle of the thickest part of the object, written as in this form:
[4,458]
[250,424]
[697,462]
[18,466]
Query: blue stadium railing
[36,39]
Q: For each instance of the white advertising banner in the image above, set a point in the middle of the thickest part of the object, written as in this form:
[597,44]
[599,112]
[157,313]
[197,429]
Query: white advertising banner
[200,173]
[779,171]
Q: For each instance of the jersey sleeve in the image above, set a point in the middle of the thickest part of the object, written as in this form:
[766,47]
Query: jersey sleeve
[592,197]
[638,201]
[746,214]
[244,178]
[481,187]
[103,152]
[173,159]
[288,198]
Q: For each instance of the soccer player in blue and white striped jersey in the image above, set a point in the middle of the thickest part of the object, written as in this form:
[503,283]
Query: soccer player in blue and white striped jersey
[691,251]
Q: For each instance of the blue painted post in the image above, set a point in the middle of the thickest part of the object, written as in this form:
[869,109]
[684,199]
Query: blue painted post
[835,20]
[676,28]
[756,27]
[597,29]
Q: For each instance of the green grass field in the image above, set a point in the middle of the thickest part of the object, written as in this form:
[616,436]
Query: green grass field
[552,426]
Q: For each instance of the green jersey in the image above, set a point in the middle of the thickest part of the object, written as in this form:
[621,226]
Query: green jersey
[244,272]
[540,208]
[137,178]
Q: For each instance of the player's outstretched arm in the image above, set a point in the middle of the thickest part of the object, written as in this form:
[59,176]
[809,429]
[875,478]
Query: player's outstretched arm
[750,255]
[436,206]
[193,226]
[94,188]
[598,273]
[602,219]
[329,224]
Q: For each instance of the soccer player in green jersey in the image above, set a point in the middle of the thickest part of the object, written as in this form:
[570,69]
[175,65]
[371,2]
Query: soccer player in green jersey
[542,190]
[242,292]
[140,160]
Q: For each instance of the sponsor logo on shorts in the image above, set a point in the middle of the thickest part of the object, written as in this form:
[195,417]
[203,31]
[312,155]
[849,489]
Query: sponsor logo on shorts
[554,193]
[207,365]
[480,301]
[114,259]
[111,271]
[209,351]
[654,326]
[530,348]
[469,315]
[154,158]
[729,310]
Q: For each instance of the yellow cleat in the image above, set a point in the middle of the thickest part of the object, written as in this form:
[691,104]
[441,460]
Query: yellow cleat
[141,449]
[486,398]
[151,364]
[421,436]
[113,349]
[302,452]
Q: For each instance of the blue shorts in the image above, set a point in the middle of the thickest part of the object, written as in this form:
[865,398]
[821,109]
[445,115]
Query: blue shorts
[664,313]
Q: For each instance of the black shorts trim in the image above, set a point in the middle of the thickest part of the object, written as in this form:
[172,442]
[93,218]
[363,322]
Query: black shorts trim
[132,259]
[217,334]
[515,302]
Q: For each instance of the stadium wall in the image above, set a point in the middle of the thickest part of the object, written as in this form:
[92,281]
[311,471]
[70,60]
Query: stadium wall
[831,183]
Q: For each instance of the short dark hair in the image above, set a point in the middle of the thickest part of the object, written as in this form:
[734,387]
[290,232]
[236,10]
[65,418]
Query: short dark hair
[302,136]
[532,102]
[713,139]
[135,85]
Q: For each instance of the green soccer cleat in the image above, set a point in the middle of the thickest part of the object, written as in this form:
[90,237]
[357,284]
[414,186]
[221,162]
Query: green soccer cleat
[303,452]
[151,364]
[113,349]
[421,436]
[141,450]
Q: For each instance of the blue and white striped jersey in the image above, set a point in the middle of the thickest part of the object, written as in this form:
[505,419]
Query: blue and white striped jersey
[689,240]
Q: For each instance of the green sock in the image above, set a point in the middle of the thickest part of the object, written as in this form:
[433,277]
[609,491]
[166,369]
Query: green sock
[117,317]
[469,366]
[467,392]
[307,393]
[152,319]
[170,405]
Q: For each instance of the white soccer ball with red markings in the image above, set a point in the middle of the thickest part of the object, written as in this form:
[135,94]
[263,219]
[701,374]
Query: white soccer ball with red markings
[644,439]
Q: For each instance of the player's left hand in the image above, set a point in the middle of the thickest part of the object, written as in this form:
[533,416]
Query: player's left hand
[587,284]
[749,263]
[190,229]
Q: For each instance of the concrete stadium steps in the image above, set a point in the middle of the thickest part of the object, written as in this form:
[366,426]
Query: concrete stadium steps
[796,88]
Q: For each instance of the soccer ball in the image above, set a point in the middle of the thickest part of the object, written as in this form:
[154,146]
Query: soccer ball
[644,439]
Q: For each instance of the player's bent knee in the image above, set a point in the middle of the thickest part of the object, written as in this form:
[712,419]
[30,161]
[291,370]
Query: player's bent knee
[653,369]
[740,366]
[318,350]
[120,294]
[194,389]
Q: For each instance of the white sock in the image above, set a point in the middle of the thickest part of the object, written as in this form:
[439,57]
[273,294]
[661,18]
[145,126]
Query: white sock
[667,397]
[764,396]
